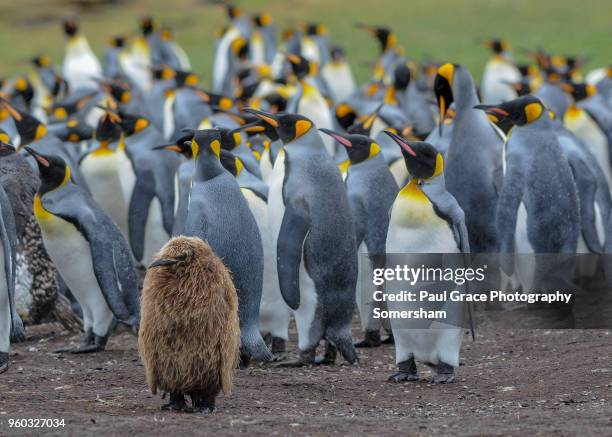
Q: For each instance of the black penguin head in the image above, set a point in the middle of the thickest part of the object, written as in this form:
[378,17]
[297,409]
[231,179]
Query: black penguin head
[71,28]
[185,78]
[6,148]
[401,76]
[30,129]
[182,145]
[163,72]
[230,139]
[108,129]
[289,127]
[579,91]
[74,131]
[54,172]
[147,25]
[520,112]
[300,66]
[346,115]
[385,37]
[262,20]
[117,41]
[277,102]
[118,90]
[337,53]
[358,147]
[206,142]
[422,159]
[42,61]
[498,46]
[363,125]
[231,163]
[443,87]
[62,110]
[522,88]
[315,29]
[23,88]
[132,124]
[216,100]
[232,11]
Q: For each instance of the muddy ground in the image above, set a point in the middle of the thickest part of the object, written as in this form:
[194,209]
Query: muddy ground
[510,383]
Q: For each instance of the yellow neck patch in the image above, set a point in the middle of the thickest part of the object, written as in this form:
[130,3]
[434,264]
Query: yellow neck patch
[41,131]
[141,124]
[195,148]
[390,98]
[447,71]
[439,165]
[39,210]
[412,191]
[237,138]
[103,149]
[239,167]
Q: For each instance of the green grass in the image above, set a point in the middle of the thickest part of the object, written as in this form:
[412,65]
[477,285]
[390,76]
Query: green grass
[446,30]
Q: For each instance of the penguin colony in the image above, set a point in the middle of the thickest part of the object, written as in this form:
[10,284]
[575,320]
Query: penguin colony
[292,175]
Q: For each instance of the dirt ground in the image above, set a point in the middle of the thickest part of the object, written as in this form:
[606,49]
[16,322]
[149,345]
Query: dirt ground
[510,383]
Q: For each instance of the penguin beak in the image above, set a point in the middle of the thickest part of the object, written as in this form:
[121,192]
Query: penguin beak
[493,110]
[338,137]
[170,147]
[401,142]
[265,116]
[39,158]
[254,127]
[162,262]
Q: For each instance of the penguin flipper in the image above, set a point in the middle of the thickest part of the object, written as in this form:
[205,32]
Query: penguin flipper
[138,212]
[9,244]
[587,189]
[293,232]
[101,233]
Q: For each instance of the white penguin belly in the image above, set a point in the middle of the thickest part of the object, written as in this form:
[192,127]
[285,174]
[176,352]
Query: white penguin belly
[340,80]
[304,315]
[524,261]
[274,313]
[101,172]
[416,228]
[168,120]
[265,165]
[5,308]
[126,175]
[495,79]
[155,233]
[313,106]
[71,254]
[583,126]
[399,171]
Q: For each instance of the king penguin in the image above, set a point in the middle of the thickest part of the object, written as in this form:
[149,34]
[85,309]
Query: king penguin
[310,220]
[219,214]
[499,71]
[11,328]
[425,218]
[474,157]
[89,252]
[535,178]
[102,167]
[371,190]
[81,67]
[151,200]
[274,313]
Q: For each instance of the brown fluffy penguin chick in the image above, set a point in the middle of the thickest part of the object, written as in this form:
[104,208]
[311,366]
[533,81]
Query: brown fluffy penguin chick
[189,333]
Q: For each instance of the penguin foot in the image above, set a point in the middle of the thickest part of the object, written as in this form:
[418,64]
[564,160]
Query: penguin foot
[407,372]
[245,359]
[445,374]
[329,359]
[372,339]
[4,362]
[388,339]
[278,345]
[86,349]
[306,358]
[87,339]
[177,403]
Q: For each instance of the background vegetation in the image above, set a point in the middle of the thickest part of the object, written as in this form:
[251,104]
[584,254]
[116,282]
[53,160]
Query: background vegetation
[445,30]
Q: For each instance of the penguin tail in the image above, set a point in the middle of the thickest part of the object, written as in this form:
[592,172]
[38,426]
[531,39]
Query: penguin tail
[344,343]
[253,344]
[18,333]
